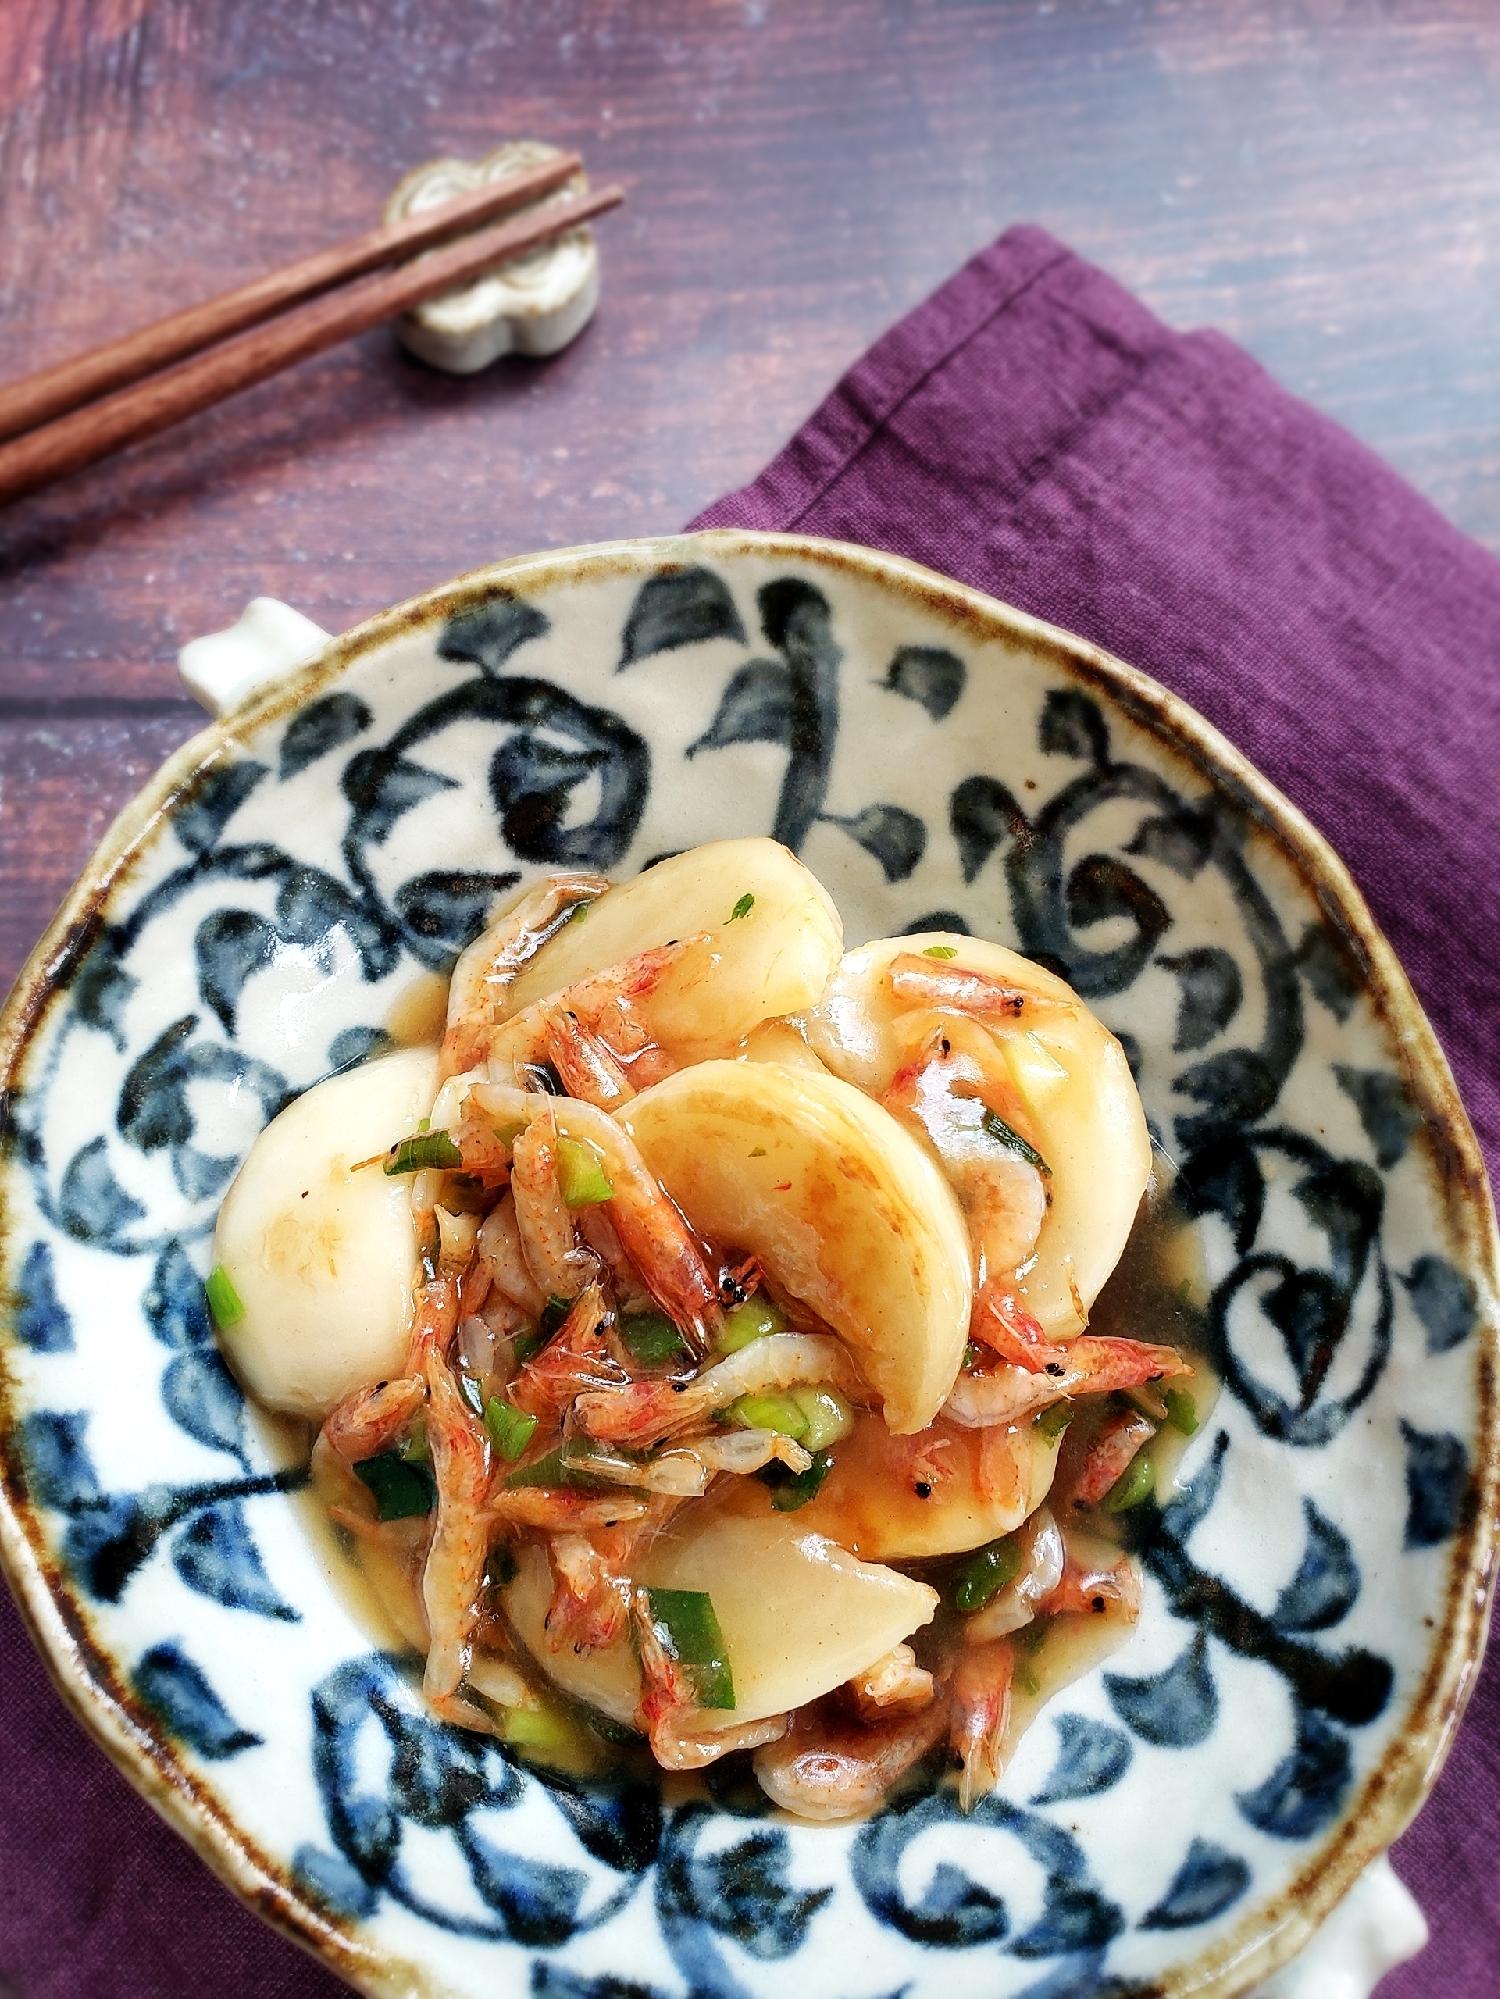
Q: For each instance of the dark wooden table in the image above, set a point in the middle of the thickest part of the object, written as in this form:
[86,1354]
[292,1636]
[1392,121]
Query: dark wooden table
[1320,178]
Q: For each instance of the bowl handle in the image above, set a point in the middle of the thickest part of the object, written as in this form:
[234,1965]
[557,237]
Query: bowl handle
[1376,1927]
[268,641]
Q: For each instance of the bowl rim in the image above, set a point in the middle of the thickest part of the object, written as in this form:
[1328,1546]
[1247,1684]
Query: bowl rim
[85,1674]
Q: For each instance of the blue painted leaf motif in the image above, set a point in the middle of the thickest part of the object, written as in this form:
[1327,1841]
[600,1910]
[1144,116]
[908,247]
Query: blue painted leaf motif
[936,919]
[321,727]
[353,1045]
[1101,888]
[1222,1176]
[1386,1110]
[896,838]
[1438,1491]
[1307,1788]
[59,1471]
[1174,1709]
[487,636]
[1236,1087]
[1073,725]
[1444,1300]
[102,987]
[154,1110]
[1208,1882]
[1326,1584]
[1182,840]
[1212,991]
[1332,977]
[619,1824]
[743,1892]
[1195,1498]
[329,1879]
[199,822]
[41,1321]
[798,622]
[382,786]
[216,1555]
[931,676]
[311,905]
[1092,1757]
[537,1901]
[982,815]
[756,707]
[231,946]
[952,1911]
[177,1690]
[1075,1917]
[445,910]
[532,781]
[551,1981]
[201,1175]
[683,607]
[1345,1198]
[1081,1976]
[92,1205]
[175,1306]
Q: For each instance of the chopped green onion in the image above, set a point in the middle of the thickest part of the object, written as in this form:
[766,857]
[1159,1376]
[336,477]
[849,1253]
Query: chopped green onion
[651,1337]
[553,1313]
[581,1175]
[771,1412]
[1052,1422]
[401,1490]
[415,1449]
[995,1127]
[940,951]
[973,1355]
[1032,1637]
[509,1132]
[1182,1412]
[510,1428]
[578,912]
[1027,1681]
[539,1729]
[793,1489]
[753,1320]
[559,1467]
[985,1573]
[742,908]
[223,1300]
[1136,1483]
[757,1152]
[688,1630]
[425,1125]
[829,1417]
[470,1390]
[524,1345]
[429,1148]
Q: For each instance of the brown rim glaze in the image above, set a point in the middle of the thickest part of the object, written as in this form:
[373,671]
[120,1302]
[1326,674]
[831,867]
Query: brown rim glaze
[85,1674]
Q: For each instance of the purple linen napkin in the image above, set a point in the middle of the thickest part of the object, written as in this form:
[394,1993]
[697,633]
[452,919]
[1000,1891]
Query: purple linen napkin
[1034,431]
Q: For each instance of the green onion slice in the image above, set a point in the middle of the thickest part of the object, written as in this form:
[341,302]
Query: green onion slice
[1134,1485]
[560,1467]
[742,908]
[771,1412]
[687,1628]
[985,1573]
[428,1148]
[1052,1422]
[753,1320]
[553,1313]
[223,1300]
[510,1428]
[995,1127]
[401,1490]
[1182,1411]
[581,1175]
[829,1417]
[651,1337]
[793,1489]
[940,951]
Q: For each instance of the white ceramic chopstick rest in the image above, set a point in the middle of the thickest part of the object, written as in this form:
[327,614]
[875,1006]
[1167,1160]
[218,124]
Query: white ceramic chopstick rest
[267,641]
[532,305]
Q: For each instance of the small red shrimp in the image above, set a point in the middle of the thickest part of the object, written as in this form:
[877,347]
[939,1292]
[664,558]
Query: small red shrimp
[557,1509]
[1095,1366]
[371,1420]
[922,981]
[491,963]
[590,1600]
[584,1061]
[1043,1559]
[1110,1452]
[499,1250]
[980,1685]
[668,1698]
[647,1412]
[575,1358]
[1087,1592]
[559,1265]
[829,1767]
[894,1685]
[1001,1322]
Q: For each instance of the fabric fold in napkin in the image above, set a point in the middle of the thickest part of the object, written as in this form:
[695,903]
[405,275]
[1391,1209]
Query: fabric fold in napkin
[1036,432]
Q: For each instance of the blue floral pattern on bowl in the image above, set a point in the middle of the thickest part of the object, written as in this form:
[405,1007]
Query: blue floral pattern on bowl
[277,905]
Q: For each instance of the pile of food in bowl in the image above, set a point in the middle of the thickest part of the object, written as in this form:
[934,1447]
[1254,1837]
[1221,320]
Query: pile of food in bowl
[700,1337]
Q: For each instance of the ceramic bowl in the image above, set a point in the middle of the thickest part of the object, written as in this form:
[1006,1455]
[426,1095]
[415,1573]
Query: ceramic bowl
[1315,1587]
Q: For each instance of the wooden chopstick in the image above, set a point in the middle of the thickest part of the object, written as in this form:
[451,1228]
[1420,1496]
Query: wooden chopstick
[49,393]
[238,363]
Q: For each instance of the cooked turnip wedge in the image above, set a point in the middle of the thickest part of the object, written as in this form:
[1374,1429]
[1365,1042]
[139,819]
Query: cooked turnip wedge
[842,1209]
[799,1616]
[772,940]
[321,1256]
[1061,1065]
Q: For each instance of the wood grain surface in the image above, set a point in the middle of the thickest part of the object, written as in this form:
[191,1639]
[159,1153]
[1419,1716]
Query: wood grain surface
[1320,178]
